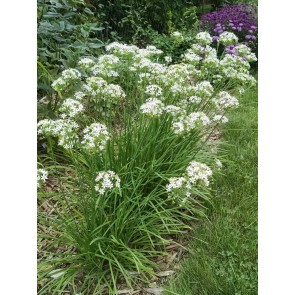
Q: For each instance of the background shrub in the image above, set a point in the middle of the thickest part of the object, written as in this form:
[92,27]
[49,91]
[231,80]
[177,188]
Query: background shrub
[67,30]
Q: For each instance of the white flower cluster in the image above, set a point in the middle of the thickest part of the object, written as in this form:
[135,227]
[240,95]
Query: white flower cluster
[198,49]
[203,89]
[177,78]
[191,57]
[86,63]
[149,51]
[228,38]
[230,68]
[94,85]
[129,51]
[67,77]
[236,69]
[210,62]
[204,38]
[106,181]
[146,66]
[173,110]
[79,95]
[181,188]
[235,63]
[70,108]
[153,107]
[175,183]
[224,100]
[245,52]
[122,49]
[185,124]
[153,90]
[210,51]
[198,171]
[177,36]
[195,99]
[65,130]
[168,59]
[220,118]
[42,175]
[106,66]
[95,137]
[100,90]
[113,92]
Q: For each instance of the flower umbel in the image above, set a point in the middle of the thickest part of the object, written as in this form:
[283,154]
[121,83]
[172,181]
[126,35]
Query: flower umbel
[95,136]
[42,175]
[106,181]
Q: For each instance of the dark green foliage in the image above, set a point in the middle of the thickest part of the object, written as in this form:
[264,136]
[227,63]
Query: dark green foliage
[133,20]
[67,30]
[220,3]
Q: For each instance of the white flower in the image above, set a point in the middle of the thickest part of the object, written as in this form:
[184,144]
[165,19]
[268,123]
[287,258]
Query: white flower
[65,130]
[241,90]
[106,181]
[198,171]
[154,90]
[190,122]
[178,127]
[168,59]
[228,38]
[71,108]
[211,62]
[204,38]
[71,74]
[176,34]
[191,57]
[195,99]
[173,110]
[86,63]
[224,100]
[42,175]
[113,91]
[198,49]
[203,89]
[175,183]
[79,95]
[153,107]
[94,86]
[122,49]
[67,77]
[192,118]
[109,59]
[95,137]
[181,188]
[220,118]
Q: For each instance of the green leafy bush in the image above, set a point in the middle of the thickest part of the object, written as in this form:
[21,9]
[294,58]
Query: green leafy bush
[67,30]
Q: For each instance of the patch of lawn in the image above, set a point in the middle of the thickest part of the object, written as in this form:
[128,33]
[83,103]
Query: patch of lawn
[223,251]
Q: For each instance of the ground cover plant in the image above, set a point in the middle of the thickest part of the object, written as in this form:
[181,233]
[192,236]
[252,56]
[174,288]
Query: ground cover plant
[223,252]
[126,160]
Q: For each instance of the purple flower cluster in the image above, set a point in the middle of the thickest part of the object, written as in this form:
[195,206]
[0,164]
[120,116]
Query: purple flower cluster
[231,49]
[240,19]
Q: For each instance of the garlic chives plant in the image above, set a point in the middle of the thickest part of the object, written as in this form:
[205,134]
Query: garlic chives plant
[133,130]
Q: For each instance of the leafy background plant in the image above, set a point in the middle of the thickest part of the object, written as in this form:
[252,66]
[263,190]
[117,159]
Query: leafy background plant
[67,30]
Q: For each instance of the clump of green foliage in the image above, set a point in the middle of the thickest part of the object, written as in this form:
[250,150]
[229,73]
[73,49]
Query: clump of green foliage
[67,30]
